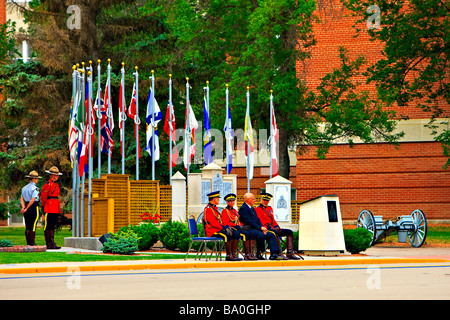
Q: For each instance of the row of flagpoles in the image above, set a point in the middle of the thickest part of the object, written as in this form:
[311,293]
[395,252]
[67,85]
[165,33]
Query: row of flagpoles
[84,112]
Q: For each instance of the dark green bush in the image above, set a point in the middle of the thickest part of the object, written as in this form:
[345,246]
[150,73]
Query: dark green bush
[124,242]
[357,240]
[148,234]
[6,243]
[174,234]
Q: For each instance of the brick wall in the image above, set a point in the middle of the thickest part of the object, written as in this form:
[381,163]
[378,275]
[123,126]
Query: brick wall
[386,180]
[2,11]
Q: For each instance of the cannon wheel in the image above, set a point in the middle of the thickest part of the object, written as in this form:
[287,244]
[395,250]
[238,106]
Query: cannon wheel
[418,235]
[366,220]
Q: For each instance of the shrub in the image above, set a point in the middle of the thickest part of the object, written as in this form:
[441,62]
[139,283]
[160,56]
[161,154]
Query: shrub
[147,233]
[175,235]
[124,242]
[357,240]
[6,243]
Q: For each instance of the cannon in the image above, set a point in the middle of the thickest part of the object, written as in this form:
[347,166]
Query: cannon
[413,227]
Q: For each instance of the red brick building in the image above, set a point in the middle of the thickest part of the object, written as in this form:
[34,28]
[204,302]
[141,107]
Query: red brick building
[386,180]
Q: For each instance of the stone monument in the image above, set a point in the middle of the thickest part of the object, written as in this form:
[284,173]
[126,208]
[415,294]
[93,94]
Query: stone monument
[320,227]
[280,188]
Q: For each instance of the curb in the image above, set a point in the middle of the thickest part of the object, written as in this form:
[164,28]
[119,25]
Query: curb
[217,264]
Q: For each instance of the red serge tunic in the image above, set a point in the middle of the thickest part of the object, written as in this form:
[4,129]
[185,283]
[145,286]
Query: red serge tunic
[230,217]
[49,197]
[265,215]
[213,220]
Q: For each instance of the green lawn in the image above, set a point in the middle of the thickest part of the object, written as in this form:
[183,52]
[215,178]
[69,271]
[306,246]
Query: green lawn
[17,236]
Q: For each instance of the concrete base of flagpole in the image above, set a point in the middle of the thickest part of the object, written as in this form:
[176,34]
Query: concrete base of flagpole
[87,243]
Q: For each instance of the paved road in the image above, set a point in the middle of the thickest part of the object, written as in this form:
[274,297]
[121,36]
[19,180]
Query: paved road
[399,281]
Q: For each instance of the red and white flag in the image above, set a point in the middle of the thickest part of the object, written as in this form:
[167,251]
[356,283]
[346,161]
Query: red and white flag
[274,137]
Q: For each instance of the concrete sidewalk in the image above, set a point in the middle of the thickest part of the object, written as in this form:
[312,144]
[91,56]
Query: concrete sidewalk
[373,256]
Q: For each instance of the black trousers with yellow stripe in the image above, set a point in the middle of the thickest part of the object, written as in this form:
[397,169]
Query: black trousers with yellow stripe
[31,216]
[235,235]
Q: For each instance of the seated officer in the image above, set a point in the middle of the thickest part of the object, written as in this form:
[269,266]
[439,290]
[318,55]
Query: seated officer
[230,217]
[214,226]
[267,218]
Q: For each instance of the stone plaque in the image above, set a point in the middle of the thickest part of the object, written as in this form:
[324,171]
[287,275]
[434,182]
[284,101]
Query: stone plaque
[206,188]
[282,203]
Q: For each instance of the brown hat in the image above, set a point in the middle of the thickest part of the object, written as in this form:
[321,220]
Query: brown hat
[54,170]
[33,175]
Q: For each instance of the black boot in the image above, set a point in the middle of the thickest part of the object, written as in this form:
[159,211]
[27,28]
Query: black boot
[49,239]
[248,254]
[290,248]
[27,236]
[31,237]
[234,250]
[52,234]
[229,256]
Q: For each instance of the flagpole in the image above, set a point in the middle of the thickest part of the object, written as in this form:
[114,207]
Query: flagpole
[123,117]
[170,128]
[109,113]
[226,126]
[89,151]
[271,131]
[152,122]
[99,116]
[137,122]
[74,161]
[248,140]
[188,128]
[83,178]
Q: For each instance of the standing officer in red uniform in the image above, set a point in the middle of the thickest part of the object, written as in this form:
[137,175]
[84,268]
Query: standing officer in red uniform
[214,226]
[267,218]
[52,207]
[230,217]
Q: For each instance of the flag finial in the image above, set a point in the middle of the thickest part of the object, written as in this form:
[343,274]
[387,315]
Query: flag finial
[187,79]
[136,68]
[248,88]
[170,75]
[99,61]
[271,91]
[207,82]
[74,67]
[226,85]
[109,60]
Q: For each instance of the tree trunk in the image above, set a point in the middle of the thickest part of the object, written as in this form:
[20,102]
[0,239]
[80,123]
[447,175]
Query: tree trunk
[283,154]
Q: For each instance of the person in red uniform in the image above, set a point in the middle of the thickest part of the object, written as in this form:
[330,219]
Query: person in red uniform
[230,217]
[51,207]
[267,218]
[214,226]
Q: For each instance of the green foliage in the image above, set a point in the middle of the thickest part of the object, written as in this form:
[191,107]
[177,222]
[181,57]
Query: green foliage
[357,240]
[124,242]
[175,234]
[414,69]
[6,243]
[147,233]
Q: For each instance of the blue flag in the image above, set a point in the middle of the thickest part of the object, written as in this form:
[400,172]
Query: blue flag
[207,143]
